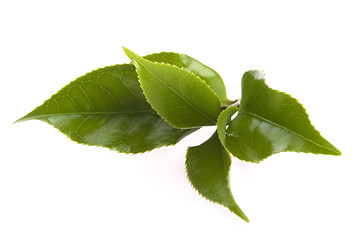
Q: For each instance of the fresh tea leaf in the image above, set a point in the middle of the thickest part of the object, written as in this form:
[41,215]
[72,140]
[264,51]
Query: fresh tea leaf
[180,97]
[210,76]
[269,122]
[106,107]
[223,120]
[208,168]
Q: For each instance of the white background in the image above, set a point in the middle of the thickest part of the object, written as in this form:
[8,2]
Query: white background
[53,188]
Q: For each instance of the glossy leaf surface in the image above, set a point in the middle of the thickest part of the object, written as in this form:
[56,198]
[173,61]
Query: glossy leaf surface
[180,97]
[210,76]
[107,108]
[208,168]
[269,122]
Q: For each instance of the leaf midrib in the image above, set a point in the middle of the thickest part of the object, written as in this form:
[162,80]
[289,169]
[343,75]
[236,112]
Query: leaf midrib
[85,113]
[286,129]
[176,92]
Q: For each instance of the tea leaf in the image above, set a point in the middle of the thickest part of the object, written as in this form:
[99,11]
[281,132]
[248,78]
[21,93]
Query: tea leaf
[106,107]
[180,97]
[208,171]
[269,122]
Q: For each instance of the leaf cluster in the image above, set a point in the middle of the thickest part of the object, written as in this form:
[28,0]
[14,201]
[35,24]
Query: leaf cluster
[159,99]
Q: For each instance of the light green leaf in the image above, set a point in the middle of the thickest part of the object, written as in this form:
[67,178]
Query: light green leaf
[223,120]
[180,97]
[269,122]
[106,107]
[208,168]
[210,76]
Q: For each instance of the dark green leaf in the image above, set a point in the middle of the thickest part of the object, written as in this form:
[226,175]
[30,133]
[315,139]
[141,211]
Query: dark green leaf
[208,168]
[180,97]
[107,108]
[210,76]
[269,122]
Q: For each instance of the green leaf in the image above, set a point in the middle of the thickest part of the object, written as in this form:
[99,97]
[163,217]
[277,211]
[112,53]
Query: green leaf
[223,120]
[208,168]
[106,107]
[180,97]
[210,76]
[269,122]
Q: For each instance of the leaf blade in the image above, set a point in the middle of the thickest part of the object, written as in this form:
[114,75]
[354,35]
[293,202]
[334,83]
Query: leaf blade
[190,64]
[178,96]
[208,168]
[269,122]
[106,107]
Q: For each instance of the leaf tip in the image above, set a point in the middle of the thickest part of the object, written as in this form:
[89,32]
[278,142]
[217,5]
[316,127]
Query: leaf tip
[129,53]
[132,56]
[125,49]
[237,210]
[337,152]
[332,150]
[22,119]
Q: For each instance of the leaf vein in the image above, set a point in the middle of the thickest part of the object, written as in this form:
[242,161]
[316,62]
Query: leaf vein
[285,128]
